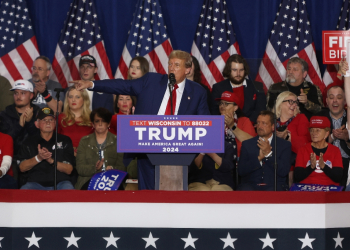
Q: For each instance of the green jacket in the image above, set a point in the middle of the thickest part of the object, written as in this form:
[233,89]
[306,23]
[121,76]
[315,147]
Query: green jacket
[87,156]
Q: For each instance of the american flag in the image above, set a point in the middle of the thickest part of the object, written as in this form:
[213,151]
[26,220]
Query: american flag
[148,38]
[80,36]
[330,74]
[18,46]
[290,37]
[214,41]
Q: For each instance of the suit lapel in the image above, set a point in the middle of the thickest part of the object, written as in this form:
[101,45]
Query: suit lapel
[186,98]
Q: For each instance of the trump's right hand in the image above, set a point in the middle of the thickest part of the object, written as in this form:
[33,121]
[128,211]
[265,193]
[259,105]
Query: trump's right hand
[82,84]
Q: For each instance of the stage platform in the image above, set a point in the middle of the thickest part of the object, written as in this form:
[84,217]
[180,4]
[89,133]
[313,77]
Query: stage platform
[174,220]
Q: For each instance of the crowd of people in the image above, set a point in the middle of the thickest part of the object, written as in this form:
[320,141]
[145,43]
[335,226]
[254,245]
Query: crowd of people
[311,146]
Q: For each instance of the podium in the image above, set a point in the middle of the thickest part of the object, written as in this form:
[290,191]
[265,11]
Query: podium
[171,143]
[171,170]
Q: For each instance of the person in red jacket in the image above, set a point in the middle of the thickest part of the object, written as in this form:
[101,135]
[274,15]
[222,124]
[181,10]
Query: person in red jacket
[291,125]
[319,162]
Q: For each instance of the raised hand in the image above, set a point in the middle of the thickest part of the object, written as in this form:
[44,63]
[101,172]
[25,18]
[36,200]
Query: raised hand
[303,97]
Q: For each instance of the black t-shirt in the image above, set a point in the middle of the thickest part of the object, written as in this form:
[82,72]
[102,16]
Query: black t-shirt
[318,151]
[43,172]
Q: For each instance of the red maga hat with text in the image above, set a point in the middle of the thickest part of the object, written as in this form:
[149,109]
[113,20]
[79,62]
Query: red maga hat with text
[319,122]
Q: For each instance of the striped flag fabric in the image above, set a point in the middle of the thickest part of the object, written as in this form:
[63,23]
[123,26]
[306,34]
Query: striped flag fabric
[148,38]
[290,37]
[330,74]
[80,36]
[214,41]
[18,45]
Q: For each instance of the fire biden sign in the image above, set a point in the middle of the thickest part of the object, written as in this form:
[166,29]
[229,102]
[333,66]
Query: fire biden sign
[170,134]
[334,45]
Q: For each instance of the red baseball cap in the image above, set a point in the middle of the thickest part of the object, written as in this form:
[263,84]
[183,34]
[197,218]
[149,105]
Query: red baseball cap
[319,122]
[231,97]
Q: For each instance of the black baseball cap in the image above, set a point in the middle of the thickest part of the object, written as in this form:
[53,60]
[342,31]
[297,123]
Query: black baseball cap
[44,112]
[89,59]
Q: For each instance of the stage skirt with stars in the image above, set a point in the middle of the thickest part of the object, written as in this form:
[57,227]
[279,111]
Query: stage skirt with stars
[173,220]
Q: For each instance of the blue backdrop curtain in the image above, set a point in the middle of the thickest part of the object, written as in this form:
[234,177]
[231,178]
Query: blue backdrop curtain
[252,21]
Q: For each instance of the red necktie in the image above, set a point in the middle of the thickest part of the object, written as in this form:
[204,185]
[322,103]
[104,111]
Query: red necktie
[168,106]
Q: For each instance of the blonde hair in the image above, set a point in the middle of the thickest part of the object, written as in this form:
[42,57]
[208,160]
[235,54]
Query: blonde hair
[179,54]
[279,101]
[69,120]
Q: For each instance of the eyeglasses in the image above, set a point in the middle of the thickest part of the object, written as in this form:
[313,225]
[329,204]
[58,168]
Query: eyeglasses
[47,120]
[291,102]
[38,69]
[225,104]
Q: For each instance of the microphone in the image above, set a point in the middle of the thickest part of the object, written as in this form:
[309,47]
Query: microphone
[172,79]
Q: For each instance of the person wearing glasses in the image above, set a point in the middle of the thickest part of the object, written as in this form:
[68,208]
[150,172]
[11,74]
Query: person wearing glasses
[75,119]
[211,171]
[44,88]
[37,154]
[309,95]
[87,70]
[90,159]
[319,162]
[291,125]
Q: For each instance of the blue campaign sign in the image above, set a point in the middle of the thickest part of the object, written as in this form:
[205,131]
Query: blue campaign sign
[170,134]
[315,187]
[108,180]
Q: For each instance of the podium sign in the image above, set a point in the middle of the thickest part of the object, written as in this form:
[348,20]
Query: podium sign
[170,134]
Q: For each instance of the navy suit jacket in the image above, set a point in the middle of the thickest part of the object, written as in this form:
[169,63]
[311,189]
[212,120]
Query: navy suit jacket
[103,100]
[254,98]
[252,172]
[150,90]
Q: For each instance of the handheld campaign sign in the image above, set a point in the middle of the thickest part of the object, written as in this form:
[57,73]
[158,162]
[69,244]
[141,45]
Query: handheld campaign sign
[108,180]
[315,187]
[334,44]
[170,134]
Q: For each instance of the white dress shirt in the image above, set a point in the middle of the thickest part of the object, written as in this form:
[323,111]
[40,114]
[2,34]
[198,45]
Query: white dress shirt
[179,92]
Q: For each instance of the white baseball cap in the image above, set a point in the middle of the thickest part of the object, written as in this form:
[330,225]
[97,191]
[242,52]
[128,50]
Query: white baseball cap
[23,85]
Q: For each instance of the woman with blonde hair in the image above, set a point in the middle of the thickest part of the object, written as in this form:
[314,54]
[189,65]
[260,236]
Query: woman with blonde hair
[75,119]
[291,124]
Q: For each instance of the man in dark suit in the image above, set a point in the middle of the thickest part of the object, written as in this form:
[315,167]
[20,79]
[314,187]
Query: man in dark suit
[339,135]
[236,70]
[152,93]
[256,163]
[87,70]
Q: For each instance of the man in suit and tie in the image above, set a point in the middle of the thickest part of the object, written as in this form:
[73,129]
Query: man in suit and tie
[87,70]
[152,93]
[251,93]
[256,163]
